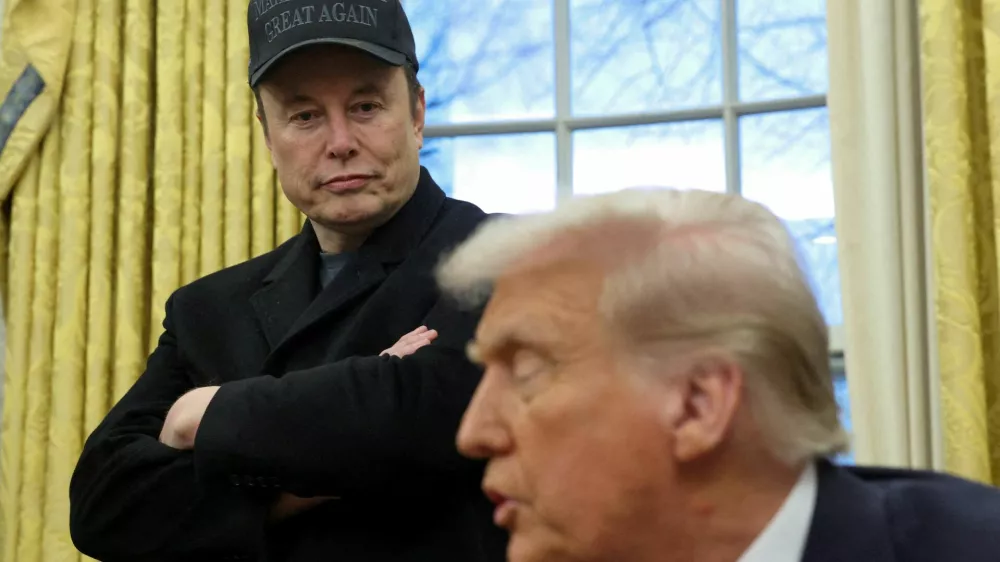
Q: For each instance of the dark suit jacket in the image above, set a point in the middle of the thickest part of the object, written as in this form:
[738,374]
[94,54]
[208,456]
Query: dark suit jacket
[885,515]
[306,406]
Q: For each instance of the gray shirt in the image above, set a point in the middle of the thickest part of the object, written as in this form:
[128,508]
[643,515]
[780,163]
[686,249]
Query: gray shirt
[331,265]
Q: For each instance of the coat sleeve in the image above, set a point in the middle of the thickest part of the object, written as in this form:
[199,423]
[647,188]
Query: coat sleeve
[132,497]
[357,428]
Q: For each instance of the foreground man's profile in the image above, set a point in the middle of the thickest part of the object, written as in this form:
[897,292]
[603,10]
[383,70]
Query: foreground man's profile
[657,388]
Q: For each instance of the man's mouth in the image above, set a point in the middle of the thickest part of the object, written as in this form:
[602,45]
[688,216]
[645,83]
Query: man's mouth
[346,182]
[505,511]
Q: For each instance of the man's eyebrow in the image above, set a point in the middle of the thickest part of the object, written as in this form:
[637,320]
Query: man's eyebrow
[502,340]
[294,98]
[367,89]
[479,350]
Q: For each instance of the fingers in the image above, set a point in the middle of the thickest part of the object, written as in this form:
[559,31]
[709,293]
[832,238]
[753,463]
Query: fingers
[414,333]
[411,342]
[413,345]
[419,334]
[289,505]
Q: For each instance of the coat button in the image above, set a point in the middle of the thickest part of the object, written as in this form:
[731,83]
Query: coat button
[250,481]
[234,480]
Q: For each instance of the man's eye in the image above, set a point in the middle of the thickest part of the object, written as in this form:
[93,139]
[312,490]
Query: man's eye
[527,365]
[304,116]
[367,107]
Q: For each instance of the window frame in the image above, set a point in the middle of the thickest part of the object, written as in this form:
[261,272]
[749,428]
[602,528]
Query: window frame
[564,124]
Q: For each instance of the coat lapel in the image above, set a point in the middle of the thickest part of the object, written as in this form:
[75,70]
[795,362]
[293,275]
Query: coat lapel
[356,280]
[849,522]
[288,288]
[290,303]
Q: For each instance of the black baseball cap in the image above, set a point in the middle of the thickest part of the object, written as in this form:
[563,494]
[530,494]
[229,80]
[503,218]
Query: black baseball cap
[278,27]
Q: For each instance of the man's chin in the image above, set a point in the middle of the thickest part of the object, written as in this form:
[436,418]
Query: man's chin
[354,221]
[523,547]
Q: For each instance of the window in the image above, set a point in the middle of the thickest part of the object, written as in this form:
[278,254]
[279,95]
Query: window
[531,102]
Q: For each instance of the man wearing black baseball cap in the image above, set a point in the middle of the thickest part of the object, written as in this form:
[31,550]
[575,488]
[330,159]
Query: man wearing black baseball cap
[282,417]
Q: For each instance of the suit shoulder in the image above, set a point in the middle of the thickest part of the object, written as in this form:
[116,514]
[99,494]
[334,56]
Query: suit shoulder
[463,209]
[458,219]
[230,279]
[933,512]
[951,496]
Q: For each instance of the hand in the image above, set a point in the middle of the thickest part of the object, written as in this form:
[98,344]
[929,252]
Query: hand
[289,505]
[411,342]
[181,426]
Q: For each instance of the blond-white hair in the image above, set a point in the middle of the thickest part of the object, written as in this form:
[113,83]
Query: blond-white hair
[708,270]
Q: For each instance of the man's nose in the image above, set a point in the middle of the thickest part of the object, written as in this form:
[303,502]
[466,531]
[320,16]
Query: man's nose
[341,141]
[483,434]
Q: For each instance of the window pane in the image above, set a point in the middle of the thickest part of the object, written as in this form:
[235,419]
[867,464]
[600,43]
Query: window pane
[785,160]
[681,155]
[644,55]
[485,60]
[781,48]
[499,173]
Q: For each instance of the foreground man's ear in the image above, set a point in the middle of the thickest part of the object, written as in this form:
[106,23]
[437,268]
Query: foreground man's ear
[704,405]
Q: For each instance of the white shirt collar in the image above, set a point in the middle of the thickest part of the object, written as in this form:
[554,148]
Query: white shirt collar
[784,538]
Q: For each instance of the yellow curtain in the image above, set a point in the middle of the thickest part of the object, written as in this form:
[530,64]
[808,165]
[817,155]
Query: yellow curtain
[136,169]
[960,60]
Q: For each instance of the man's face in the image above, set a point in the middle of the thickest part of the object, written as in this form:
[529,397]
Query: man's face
[343,136]
[579,457]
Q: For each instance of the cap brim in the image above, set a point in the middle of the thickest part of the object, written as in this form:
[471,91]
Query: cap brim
[388,56]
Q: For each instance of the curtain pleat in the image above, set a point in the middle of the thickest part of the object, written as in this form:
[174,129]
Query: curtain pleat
[131,320]
[70,337]
[23,229]
[32,456]
[213,142]
[238,139]
[194,41]
[960,63]
[107,100]
[168,159]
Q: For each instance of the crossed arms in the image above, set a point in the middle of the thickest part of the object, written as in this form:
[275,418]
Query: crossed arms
[201,477]
[180,428]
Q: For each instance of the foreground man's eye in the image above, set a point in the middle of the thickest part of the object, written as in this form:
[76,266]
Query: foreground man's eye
[527,364]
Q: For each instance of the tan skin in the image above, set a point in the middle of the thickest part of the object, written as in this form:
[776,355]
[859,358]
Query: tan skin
[344,139]
[591,459]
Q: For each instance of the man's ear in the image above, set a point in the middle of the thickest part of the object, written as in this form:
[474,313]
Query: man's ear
[705,404]
[267,136]
[419,117]
[263,127]
[258,95]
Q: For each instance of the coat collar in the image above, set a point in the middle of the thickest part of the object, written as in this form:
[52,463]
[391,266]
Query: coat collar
[290,300]
[850,520]
[396,239]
